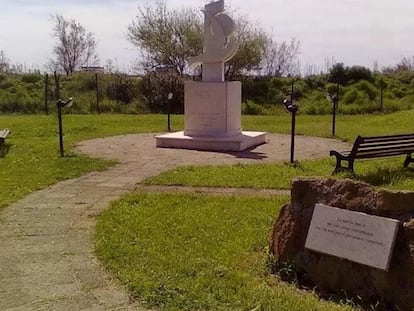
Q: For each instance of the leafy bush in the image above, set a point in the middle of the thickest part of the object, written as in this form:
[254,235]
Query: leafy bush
[358,108]
[405,76]
[255,90]
[81,82]
[316,82]
[32,78]
[251,108]
[6,84]
[123,89]
[348,75]
[331,88]
[315,103]
[368,88]
[358,73]
[350,97]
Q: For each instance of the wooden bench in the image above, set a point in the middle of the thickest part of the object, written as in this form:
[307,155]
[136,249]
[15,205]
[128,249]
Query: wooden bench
[3,135]
[375,147]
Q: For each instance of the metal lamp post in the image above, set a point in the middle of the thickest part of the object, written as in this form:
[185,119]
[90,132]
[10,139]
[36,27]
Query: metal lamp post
[169,97]
[334,100]
[60,104]
[292,108]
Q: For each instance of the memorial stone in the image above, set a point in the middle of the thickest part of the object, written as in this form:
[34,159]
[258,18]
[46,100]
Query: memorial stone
[370,216]
[355,236]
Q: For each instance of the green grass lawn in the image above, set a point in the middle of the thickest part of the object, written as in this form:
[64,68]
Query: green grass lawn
[348,127]
[33,161]
[196,252]
[381,173]
[386,173]
[187,252]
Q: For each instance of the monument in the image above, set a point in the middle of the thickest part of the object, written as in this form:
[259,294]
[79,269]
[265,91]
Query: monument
[212,107]
[347,237]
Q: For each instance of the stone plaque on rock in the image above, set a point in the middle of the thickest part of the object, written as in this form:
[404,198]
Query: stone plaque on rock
[356,236]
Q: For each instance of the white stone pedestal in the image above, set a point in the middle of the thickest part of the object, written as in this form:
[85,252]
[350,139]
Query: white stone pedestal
[238,142]
[212,109]
[212,119]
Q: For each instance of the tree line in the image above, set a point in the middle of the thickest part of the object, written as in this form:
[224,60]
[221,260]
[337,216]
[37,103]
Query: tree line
[166,38]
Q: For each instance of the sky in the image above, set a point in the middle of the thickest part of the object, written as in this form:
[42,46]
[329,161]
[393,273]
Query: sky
[355,32]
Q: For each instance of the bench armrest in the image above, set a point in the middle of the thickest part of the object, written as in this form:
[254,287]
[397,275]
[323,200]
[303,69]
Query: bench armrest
[344,155]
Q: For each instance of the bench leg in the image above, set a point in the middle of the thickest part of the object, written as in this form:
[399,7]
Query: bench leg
[351,167]
[338,166]
[408,160]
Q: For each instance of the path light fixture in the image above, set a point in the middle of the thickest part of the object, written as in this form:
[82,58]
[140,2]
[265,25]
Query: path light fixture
[60,104]
[169,97]
[292,108]
[334,100]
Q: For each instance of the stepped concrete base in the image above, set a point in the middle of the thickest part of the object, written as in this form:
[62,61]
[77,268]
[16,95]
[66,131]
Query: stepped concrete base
[239,142]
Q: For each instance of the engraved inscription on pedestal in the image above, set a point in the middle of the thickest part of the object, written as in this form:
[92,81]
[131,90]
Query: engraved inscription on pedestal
[355,236]
[212,109]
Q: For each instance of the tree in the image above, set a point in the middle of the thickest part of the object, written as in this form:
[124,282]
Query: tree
[357,73]
[4,62]
[337,74]
[75,47]
[166,38]
[344,75]
[279,58]
[169,38]
[252,48]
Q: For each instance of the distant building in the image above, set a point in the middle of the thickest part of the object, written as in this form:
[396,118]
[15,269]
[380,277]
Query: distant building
[93,69]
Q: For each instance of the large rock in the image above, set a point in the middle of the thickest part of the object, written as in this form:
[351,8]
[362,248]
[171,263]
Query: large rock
[393,289]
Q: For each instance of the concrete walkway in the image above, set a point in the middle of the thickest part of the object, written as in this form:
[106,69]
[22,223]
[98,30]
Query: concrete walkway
[46,257]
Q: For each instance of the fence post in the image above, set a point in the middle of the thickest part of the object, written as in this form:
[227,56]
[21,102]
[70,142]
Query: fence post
[98,109]
[46,93]
[57,86]
[382,94]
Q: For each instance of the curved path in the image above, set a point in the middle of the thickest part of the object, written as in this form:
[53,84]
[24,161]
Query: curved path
[46,239]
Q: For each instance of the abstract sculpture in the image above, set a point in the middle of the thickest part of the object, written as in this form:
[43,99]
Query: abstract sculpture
[218,47]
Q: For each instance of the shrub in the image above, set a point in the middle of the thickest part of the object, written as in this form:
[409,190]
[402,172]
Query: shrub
[358,108]
[251,108]
[80,82]
[368,88]
[313,108]
[350,97]
[256,90]
[316,82]
[331,88]
[358,73]
[123,89]
[32,78]
[405,76]
[6,84]
[278,90]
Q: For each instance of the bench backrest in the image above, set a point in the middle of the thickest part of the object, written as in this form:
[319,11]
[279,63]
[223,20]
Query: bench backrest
[382,146]
[4,133]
